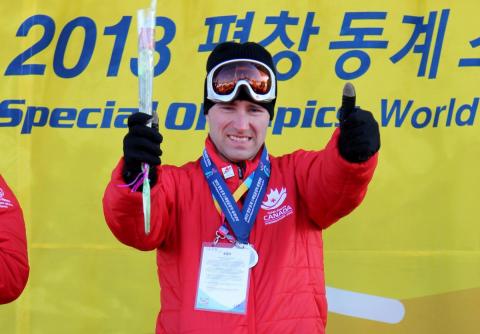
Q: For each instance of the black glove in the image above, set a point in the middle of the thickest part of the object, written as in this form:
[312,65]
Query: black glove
[141,144]
[359,134]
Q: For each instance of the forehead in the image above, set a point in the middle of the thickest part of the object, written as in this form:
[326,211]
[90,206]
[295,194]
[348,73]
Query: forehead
[240,104]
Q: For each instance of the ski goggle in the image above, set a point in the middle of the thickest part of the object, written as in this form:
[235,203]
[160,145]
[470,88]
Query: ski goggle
[225,80]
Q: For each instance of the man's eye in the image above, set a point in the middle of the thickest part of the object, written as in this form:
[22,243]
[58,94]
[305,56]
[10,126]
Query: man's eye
[227,107]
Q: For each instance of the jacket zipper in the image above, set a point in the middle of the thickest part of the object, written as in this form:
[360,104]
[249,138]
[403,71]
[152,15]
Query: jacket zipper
[251,306]
[251,293]
[241,166]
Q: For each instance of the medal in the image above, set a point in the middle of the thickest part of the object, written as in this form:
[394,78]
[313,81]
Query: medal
[241,222]
[253,256]
[253,253]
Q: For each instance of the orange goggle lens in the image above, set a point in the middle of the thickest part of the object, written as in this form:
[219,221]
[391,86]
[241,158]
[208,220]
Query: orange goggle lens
[227,77]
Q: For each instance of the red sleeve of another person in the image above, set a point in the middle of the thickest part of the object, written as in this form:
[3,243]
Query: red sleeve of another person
[14,267]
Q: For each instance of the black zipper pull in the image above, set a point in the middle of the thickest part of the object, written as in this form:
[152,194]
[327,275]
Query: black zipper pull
[240,173]
[241,167]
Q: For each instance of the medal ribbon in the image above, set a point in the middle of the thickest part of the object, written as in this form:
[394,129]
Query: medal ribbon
[240,222]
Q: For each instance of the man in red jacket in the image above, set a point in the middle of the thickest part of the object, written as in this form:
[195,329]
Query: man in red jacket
[238,232]
[14,267]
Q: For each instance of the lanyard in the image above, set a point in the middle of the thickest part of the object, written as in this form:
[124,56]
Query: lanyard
[242,189]
[240,222]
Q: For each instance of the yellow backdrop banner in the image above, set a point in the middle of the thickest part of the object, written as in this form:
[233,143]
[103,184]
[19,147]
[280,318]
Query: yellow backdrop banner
[407,261]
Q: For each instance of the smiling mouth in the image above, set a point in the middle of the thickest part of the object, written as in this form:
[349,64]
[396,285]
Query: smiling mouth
[239,139]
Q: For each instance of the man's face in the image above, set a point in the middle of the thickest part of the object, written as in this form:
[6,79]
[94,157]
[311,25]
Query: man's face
[238,128]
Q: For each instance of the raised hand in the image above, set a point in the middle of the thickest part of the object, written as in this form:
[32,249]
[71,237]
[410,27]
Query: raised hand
[141,144]
[359,133]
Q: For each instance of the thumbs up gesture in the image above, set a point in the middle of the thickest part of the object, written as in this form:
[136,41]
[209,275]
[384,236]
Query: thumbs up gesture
[359,134]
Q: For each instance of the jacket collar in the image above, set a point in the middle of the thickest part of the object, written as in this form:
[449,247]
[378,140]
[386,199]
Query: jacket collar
[220,163]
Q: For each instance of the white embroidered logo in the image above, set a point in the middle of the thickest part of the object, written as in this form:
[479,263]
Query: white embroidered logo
[274,206]
[274,199]
[4,202]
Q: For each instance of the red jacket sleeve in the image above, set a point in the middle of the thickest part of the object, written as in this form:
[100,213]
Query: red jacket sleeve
[14,267]
[123,210]
[330,186]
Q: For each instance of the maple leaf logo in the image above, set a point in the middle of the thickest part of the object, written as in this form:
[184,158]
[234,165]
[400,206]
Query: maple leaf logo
[274,199]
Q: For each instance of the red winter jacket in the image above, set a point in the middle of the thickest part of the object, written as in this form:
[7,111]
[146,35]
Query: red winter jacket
[307,192]
[14,267]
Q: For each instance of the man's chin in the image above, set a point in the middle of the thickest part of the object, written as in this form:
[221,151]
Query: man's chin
[239,156]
